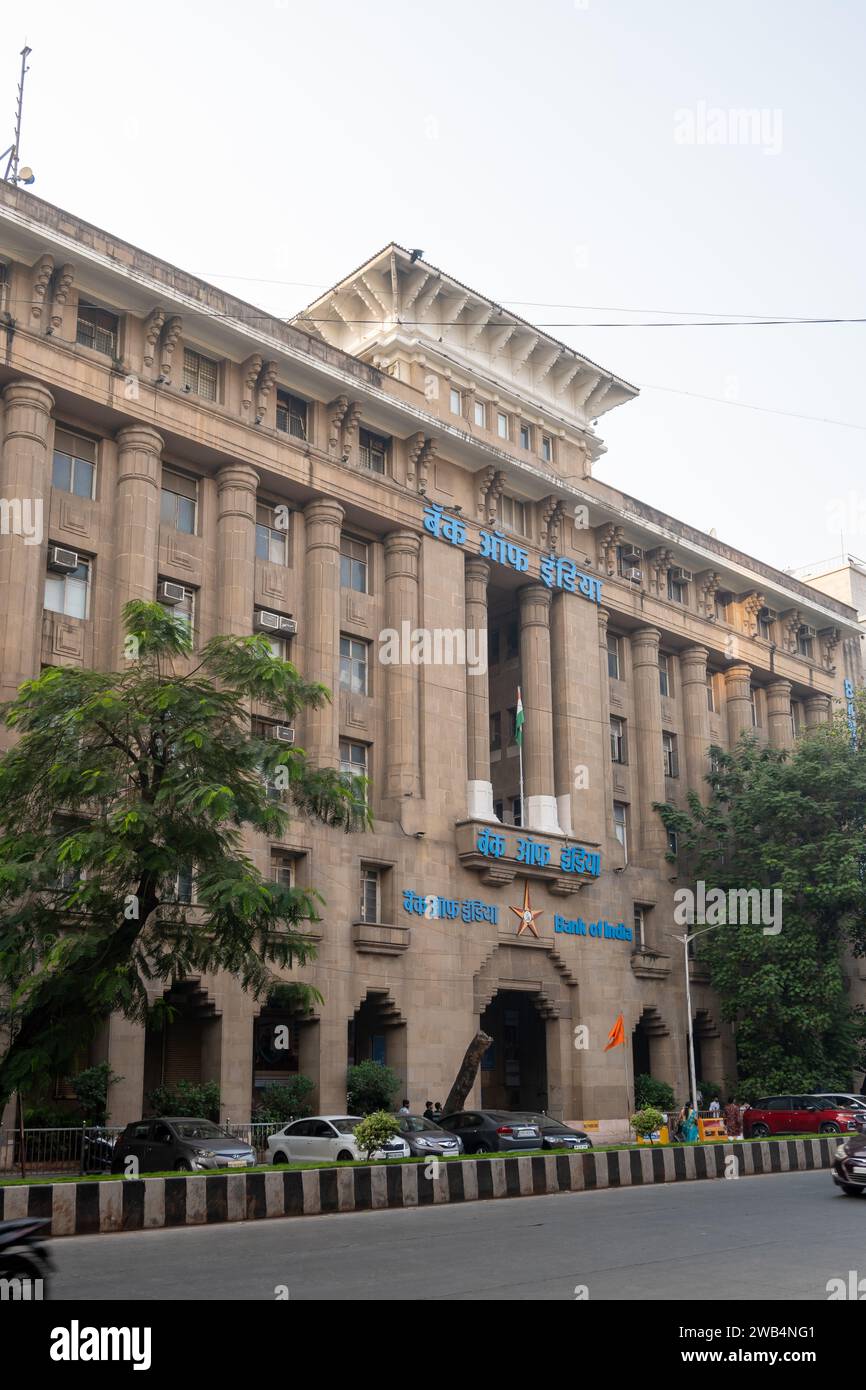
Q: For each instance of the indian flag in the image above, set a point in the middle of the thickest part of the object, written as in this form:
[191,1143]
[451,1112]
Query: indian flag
[518,721]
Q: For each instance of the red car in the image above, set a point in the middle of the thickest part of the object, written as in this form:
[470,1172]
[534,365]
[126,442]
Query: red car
[797,1115]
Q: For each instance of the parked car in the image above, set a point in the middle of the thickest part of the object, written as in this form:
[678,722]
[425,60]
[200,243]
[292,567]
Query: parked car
[493,1131]
[425,1138]
[326,1138]
[845,1100]
[556,1135]
[24,1256]
[849,1165]
[184,1143]
[797,1115]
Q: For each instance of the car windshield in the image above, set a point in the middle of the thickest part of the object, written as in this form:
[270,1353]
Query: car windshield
[199,1129]
[414,1124]
[347,1125]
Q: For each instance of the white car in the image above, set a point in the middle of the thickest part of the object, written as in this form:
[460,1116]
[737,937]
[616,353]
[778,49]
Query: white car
[328,1138]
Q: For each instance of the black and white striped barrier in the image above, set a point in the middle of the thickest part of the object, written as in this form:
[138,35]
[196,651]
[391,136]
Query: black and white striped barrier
[136,1204]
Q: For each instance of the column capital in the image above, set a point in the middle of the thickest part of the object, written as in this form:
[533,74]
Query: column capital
[741,672]
[139,437]
[780,687]
[603,620]
[324,509]
[29,392]
[323,518]
[534,601]
[817,710]
[403,543]
[693,665]
[645,646]
[476,570]
[238,475]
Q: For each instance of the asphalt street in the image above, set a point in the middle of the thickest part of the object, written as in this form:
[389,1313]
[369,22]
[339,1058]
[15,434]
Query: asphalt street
[782,1236]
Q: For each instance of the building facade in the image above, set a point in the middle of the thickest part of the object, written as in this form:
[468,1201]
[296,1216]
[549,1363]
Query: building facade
[398,487]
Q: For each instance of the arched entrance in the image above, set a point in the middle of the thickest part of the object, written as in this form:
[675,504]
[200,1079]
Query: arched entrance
[514,1069]
[377,1032]
[183,1042]
[285,1043]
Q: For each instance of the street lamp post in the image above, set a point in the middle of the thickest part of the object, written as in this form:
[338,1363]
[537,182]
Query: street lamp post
[686,938]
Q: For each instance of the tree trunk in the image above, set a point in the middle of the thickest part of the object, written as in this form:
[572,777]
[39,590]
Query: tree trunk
[466,1075]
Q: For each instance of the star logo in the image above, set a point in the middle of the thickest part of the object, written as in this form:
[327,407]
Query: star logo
[526,914]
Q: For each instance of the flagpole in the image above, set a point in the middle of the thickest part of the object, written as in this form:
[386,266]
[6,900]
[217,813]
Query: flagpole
[519,718]
[522,816]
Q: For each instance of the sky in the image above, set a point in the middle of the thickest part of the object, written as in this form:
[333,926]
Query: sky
[579,161]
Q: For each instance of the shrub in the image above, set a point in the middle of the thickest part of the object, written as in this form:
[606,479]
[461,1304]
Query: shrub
[710,1090]
[375,1131]
[645,1122]
[284,1100]
[370,1086]
[199,1100]
[91,1091]
[648,1091]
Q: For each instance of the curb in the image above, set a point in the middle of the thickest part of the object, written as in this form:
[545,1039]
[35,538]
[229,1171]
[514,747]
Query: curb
[136,1204]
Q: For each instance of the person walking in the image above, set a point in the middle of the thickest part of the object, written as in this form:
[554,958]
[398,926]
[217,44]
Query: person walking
[690,1125]
[428,1111]
[733,1119]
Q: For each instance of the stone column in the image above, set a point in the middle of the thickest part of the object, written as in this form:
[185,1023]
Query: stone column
[604,731]
[738,699]
[136,526]
[578,752]
[696,717]
[781,730]
[236,548]
[126,1041]
[648,737]
[321,634]
[817,710]
[479,791]
[402,715]
[25,485]
[535,684]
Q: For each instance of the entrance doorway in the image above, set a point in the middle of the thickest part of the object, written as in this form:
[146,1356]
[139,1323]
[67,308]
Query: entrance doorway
[514,1068]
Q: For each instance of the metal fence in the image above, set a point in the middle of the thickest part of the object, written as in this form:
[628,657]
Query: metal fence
[83,1149]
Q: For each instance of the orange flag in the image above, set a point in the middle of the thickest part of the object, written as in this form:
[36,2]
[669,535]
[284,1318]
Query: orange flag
[616,1036]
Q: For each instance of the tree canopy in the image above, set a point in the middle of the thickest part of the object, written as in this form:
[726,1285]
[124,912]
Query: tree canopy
[118,787]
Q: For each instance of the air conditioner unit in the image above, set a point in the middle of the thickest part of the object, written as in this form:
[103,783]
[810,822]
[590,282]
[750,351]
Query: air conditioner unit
[631,555]
[682,576]
[807,631]
[62,561]
[634,574]
[267,622]
[288,627]
[283,733]
[768,615]
[170,593]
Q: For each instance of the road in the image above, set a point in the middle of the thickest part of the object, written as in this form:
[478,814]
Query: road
[776,1237]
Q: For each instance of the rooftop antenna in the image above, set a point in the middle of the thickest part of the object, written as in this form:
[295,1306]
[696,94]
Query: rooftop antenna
[13,174]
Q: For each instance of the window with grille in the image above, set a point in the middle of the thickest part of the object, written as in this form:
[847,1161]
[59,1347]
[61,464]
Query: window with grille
[283,870]
[96,328]
[74,464]
[271,539]
[374,452]
[185,609]
[354,666]
[178,501]
[678,589]
[669,751]
[371,893]
[69,593]
[354,564]
[200,374]
[291,415]
[617,739]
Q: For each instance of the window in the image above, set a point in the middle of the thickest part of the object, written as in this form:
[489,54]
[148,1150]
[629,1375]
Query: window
[374,452]
[765,624]
[678,589]
[354,666]
[179,887]
[283,870]
[178,501]
[74,465]
[525,437]
[271,538]
[456,401]
[673,842]
[353,758]
[666,676]
[184,609]
[804,641]
[501,424]
[617,739]
[199,375]
[641,915]
[669,752]
[620,825]
[516,818]
[498,809]
[291,415]
[495,732]
[613,662]
[354,564]
[723,602]
[263,729]
[547,448]
[68,593]
[371,894]
[96,328]
[278,645]
[711,694]
[796,716]
[479,414]
[756,713]
[512,515]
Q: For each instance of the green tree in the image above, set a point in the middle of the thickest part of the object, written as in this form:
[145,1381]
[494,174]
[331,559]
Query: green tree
[647,1122]
[370,1086]
[649,1092]
[120,784]
[375,1130]
[282,1101]
[793,822]
[200,1100]
[91,1092]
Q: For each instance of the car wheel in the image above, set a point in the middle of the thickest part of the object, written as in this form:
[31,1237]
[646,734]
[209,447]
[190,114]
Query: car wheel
[183,1166]
[852,1191]
[280,1158]
[345,1157]
[759,1131]
[481,1147]
[830,1128]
